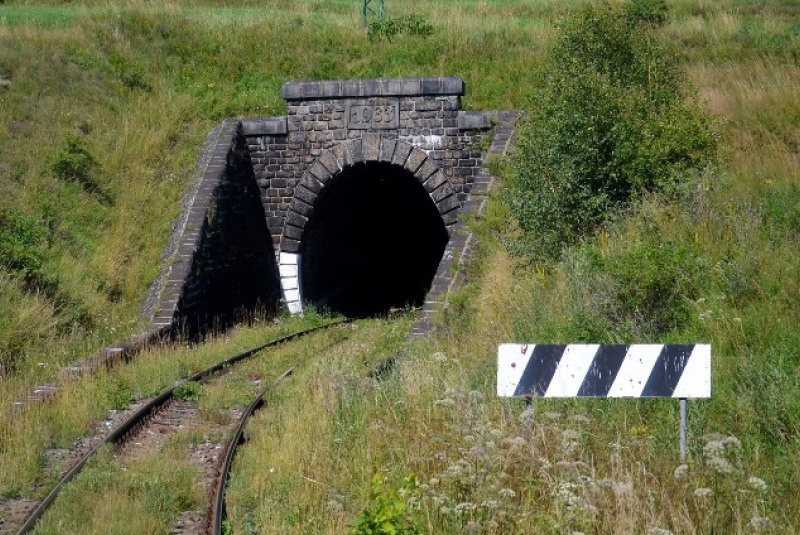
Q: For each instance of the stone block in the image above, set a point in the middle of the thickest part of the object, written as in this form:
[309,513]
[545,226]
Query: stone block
[295,219]
[401,152]
[441,193]
[329,161]
[342,155]
[356,150]
[371,144]
[435,181]
[320,171]
[305,195]
[294,233]
[448,204]
[310,182]
[387,149]
[289,246]
[415,159]
[426,170]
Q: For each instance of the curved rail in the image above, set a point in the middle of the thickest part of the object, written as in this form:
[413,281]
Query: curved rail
[143,413]
[218,505]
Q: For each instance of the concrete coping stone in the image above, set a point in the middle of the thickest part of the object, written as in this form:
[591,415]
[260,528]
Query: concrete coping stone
[375,87]
[265,126]
[474,120]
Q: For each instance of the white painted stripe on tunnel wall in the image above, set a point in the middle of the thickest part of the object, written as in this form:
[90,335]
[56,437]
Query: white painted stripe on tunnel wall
[696,378]
[571,371]
[635,370]
[288,270]
[289,259]
[291,295]
[295,307]
[290,283]
[511,360]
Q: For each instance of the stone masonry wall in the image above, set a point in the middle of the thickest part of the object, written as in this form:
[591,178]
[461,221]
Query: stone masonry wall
[220,259]
[424,112]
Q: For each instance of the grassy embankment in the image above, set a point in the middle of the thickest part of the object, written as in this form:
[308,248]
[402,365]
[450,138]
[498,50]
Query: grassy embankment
[590,466]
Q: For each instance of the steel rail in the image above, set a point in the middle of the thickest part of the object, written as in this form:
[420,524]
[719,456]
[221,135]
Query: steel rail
[218,505]
[141,415]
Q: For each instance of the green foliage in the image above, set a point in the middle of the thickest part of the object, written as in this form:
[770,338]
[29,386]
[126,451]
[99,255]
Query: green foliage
[608,122]
[74,163]
[188,391]
[23,243]
[641,292]
[387,514]
[389,29]
[647,11]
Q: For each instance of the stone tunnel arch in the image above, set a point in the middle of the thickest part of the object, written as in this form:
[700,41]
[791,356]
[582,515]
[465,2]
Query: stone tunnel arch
[366,228]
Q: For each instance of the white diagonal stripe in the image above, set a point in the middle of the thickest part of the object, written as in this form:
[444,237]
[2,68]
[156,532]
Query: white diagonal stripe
[695,382]
[511,363]
[635,370]
[571,370]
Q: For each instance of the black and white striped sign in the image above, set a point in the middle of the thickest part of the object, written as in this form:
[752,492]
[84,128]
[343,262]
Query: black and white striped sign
[593,370]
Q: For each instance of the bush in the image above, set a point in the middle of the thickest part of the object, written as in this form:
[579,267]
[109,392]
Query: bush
[390,28]
[387,514]
[609,122]
[73,162]
[23,242]
[647,11]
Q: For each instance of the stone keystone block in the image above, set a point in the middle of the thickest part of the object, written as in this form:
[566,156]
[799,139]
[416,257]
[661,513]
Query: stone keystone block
[356,150]
[329,161]
[415,160]
[387,149]
[320,171]
[371,144]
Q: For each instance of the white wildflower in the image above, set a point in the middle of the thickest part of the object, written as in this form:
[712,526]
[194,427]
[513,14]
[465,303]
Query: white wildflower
[720,465]
[464,507]
[552,415]
[703,492]
[334,506]
[759,522]
[444,402]
[580,418]
[680,472]
[507,493]
[659,531]
[439,357]
[757,483]
[570,434]
[490,504]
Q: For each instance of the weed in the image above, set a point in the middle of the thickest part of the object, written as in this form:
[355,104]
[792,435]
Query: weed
[188,391]
[387,513]
[389,29]
[74,163]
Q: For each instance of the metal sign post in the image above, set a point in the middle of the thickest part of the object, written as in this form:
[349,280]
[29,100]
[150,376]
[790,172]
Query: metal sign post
[371,7]
[606,371]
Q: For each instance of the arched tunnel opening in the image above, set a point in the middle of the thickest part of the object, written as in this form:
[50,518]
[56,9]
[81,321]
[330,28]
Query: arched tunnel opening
[373,242]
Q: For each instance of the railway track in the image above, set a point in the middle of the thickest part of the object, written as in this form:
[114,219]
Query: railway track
[149,425]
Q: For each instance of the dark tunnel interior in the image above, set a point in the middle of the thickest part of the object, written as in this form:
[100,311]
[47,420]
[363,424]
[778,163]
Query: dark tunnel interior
[373,242]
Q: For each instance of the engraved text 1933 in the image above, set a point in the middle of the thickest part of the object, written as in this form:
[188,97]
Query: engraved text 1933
[371,116]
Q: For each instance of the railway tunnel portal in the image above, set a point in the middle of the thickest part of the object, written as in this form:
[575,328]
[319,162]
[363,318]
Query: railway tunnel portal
[358,192]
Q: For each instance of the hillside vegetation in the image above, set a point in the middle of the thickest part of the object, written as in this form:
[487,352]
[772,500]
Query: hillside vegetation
[103,107]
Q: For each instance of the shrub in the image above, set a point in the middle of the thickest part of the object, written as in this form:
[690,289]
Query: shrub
[609,121]
[390,28]
[188,391]
[23,242]
[647,11]
[73,162]
[387,513]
